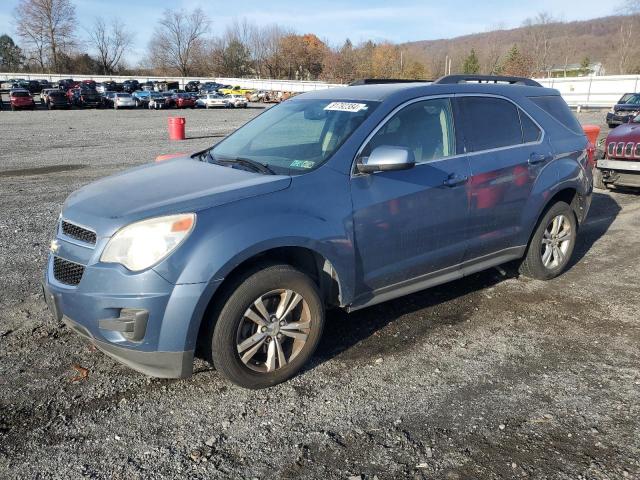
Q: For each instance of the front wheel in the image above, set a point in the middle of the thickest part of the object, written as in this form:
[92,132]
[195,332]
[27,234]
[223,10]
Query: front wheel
[267,328]
[552,244]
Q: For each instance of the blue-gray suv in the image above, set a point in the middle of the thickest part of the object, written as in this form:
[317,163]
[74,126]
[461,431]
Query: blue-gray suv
[345,197]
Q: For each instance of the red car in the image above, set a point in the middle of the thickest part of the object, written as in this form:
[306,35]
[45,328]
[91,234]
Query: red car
[184,100]
[621,162]
[20,99]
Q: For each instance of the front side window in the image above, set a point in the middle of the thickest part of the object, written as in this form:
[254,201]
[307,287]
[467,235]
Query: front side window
[425,128]
[297,135]
[489,123]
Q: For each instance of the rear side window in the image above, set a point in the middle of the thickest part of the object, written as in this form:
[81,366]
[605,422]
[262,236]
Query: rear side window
[530,131]
[558,109]
[489,123]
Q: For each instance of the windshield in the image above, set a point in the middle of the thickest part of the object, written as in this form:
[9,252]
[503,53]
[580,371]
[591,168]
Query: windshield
[633,99]
[295,136]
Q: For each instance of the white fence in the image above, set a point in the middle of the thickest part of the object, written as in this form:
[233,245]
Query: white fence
[593,91]
[577,91]
[258,84]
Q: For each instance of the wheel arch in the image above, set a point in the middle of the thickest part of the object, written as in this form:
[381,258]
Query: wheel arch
[308,260]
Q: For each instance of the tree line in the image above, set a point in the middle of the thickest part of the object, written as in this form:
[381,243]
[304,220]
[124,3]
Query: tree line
[183,44]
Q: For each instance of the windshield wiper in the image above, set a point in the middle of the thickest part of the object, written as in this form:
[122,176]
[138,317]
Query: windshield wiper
[245,162]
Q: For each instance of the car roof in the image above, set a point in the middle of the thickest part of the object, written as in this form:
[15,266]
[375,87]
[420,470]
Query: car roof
[383,91]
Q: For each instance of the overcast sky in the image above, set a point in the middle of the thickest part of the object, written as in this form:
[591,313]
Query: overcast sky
[335,20]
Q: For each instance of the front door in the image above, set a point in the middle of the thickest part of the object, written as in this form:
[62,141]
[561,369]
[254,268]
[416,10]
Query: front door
[412,222]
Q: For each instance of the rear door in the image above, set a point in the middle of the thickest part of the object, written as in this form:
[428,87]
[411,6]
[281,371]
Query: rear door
[506,150]
[413,222]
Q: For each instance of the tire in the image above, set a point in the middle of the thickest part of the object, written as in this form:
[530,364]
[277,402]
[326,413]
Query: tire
[270,285]
[533,264]
[598,181]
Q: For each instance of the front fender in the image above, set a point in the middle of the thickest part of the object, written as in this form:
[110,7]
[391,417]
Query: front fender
[313,213]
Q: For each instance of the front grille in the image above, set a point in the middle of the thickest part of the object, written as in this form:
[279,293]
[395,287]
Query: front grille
[79,233]
[67,272]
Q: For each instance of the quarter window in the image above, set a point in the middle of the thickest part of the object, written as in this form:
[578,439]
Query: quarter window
[530,131]
[489,123]
[425,128]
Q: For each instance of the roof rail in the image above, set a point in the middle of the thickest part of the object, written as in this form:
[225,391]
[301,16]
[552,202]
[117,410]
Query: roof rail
[449,79]
[375,81]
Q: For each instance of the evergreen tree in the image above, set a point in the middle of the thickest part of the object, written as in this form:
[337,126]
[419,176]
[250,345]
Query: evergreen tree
[471,63]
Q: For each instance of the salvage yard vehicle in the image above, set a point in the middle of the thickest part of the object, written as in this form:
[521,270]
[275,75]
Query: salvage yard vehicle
[85,97]
[342,197]
[212,100]
[184,100]
[122,100]
[237,90]
[19,99]
[621,163]
[236,101]
[44,94]
[157,101]
[627,108]
[57,99]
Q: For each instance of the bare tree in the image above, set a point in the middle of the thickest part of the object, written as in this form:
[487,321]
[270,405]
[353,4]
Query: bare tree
[110,41]
[178,39]
[47,26]
[539,32]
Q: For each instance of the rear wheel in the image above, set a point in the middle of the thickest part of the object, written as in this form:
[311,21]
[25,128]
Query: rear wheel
[552,244]
[268,327]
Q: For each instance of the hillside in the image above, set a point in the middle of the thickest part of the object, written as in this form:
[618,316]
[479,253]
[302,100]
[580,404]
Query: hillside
[609,40]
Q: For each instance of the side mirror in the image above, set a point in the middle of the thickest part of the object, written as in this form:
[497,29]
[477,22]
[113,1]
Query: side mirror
[384,159]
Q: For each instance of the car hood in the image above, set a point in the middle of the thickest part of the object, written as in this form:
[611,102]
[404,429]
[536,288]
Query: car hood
[174,186]
[627,132]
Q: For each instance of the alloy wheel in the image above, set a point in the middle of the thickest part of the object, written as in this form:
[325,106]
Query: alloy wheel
[273,330]
[556,242]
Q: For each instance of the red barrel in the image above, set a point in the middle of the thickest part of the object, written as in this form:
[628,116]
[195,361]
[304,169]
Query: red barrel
[592,132]
[176,128]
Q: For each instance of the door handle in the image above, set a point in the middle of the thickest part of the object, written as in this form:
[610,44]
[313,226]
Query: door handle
[537,158]
[455,180]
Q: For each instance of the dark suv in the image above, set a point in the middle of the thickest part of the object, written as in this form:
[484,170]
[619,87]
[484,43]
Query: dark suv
[343,197]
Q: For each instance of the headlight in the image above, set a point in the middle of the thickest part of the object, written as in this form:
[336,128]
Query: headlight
[143,244]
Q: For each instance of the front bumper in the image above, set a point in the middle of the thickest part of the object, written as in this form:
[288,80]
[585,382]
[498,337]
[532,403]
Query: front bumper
[140,319]
[618,118]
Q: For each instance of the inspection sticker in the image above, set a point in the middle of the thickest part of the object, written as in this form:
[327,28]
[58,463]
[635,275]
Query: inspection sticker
[346,107]
[302,164]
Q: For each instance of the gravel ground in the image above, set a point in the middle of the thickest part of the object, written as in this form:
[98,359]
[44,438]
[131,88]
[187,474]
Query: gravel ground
[492,376]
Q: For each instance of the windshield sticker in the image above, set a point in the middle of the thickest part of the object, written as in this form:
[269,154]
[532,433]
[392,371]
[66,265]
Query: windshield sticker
[346,107]
[302,164]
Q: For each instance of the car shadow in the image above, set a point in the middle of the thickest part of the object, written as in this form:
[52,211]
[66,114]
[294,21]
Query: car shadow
[604,210]
[425,311]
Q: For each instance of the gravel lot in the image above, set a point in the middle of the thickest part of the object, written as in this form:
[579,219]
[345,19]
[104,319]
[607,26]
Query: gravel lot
[492,376]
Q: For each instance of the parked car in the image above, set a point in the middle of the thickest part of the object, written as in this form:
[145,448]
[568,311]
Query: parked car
[91,84]
[237,90]
[44,94]
[122,100]
[192,86]
[237,101]
[209,87]
[627,108]
[57,99]
[212,100]
[141,98]
[84,96]
[621,163]
[184,100]
[158,101]
[67,84]
[45,84]
[130,86]
[20,98]
[377,191]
